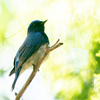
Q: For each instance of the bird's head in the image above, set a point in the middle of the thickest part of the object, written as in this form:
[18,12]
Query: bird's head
[36,26]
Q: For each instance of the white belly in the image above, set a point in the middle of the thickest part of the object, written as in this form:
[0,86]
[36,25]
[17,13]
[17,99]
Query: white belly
[34,59]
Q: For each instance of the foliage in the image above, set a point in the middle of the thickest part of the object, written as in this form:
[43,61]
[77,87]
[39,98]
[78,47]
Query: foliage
[73,70]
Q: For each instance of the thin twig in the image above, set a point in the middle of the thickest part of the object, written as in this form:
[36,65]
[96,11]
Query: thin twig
[48,49]
[55,43]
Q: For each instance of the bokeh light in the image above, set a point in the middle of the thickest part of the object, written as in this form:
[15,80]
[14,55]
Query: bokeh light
[72,71]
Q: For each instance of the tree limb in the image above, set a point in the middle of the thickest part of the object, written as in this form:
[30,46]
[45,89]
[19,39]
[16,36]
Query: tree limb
[48,49]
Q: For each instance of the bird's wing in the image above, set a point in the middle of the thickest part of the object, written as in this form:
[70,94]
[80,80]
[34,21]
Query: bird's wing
[30,45]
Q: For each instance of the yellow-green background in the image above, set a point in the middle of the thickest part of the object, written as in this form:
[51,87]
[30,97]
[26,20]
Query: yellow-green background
[72,71]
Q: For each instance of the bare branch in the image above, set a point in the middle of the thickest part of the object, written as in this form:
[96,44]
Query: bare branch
[55,43]
[48,49]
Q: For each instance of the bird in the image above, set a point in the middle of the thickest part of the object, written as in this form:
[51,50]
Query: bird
[31,50]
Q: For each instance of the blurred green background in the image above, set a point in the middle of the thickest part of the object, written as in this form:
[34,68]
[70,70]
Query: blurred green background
[72,70]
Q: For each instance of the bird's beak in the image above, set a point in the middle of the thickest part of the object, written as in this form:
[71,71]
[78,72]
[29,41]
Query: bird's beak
[44,21]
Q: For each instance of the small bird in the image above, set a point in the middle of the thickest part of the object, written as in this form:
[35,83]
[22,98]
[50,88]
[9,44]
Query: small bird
[31,50]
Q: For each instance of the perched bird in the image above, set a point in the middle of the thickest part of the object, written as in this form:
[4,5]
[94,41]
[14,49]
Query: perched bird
[31,50]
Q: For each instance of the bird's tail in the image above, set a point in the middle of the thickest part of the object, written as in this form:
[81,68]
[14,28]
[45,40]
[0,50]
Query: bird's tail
[15,80]
[13,85]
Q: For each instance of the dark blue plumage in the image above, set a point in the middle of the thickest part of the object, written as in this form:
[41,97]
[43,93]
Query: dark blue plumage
[31,50]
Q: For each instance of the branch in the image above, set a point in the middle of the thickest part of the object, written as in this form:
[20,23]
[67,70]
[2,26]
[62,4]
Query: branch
[48,49]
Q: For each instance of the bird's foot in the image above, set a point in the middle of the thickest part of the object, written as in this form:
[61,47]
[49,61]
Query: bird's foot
[34,67]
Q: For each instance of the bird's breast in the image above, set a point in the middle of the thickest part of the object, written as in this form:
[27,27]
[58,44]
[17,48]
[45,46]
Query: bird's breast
[34,59]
